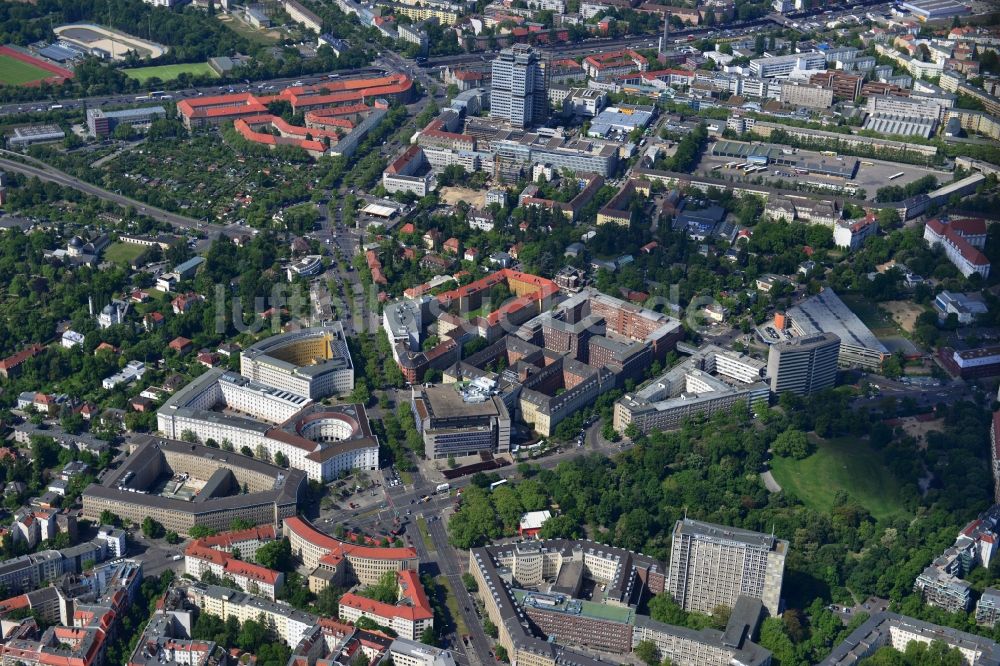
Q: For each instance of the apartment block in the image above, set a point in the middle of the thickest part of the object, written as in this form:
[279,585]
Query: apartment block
[713,565]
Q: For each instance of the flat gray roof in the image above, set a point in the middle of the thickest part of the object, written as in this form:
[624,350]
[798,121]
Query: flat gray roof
[715,532]
[826,313]
[285,490]
[444,401]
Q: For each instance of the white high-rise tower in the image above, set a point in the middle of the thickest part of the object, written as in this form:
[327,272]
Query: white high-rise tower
[518,92]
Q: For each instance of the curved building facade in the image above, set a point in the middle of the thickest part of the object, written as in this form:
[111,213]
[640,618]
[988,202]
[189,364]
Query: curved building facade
[313,362]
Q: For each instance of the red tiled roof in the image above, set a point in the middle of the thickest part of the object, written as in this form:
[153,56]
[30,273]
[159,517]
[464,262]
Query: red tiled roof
[341,548]
[956,231]
[400,162]
[20,357]
[230,564]
[970,226]
[623,58]
[227,539]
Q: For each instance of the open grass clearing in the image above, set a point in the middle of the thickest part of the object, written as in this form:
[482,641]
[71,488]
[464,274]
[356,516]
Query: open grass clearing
[124,253]
[841,464]
[169,72]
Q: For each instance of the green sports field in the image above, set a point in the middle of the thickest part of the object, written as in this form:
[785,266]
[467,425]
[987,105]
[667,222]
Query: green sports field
[121,253]
[13,72]
[169,72]
[841,464]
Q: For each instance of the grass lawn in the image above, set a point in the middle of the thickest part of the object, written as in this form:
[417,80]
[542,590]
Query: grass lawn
[452,604]
[422,526]
[124,253]
[169,72]
[252,34]
[405,477]
[841,464]
[873,316]
[13,72]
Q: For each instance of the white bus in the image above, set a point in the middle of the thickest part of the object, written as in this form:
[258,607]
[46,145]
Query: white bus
[497,484]
[897,175]
[443,488]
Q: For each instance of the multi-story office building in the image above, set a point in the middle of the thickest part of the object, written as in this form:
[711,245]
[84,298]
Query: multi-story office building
[461,420]
[768,68]
[226,407]
[518,92]
[713,565]
[796,94]
[803,365]
[511,156]
[708,647]
[692,389]
[540,628]
[102,123]
[272,493]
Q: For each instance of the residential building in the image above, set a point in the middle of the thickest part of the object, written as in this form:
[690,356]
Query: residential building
[347,562]
[803,365]
[248,576]
[995,454]
[941,584]
[284,622]
[713,565]
[518,92]
[851,234]
[988,607]
[409,617]
[966,307]
[898,631]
